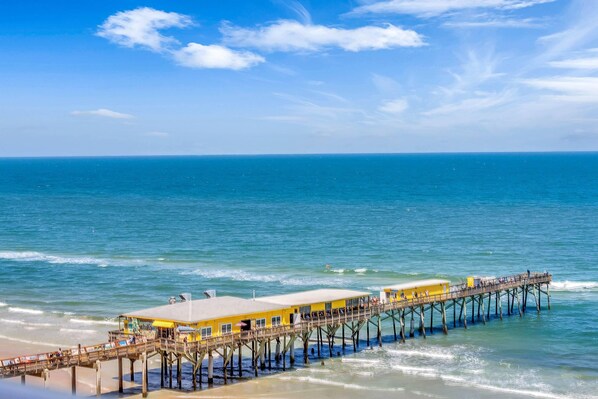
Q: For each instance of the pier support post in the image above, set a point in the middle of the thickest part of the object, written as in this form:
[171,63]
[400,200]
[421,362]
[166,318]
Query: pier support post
[432,318]
[500,304]
[306,344]
[210,368]
[508,303]
[548,294]
[292,352]
[120,374]
[368,333]
[481,303]
[46,375]
[163,368]
[269,342]
[472,309]
[240,354]
[144,375]
[132,367]
[394,324]
[263,355]
[443,309]
[318,340]
[464,310]
[179,372]
[74,380]
[284,353]
[422,327]
[518,304]
[380,332]
[489,305]
[23,379]
[193,373]
[402,324]
[411,326]
[170,370]
[454,313]
[277,353]
[98,368]
[343,336]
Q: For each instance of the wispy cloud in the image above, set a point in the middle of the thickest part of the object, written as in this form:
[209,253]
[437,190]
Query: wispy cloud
[432,8]
[103,112]
[297,9]
[397,106]
[196,55]
[576,63]
[473,104]
[568,88]
[496,22]
[289,36]
[141,27]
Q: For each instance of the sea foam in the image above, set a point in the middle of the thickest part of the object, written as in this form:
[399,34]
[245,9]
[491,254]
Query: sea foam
[25,310]
[574,286]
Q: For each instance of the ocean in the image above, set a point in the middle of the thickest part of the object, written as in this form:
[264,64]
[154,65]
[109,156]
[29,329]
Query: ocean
[85,239]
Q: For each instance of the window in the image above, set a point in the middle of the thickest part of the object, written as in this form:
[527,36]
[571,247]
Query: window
[226,328]
[260,323]
[275,321]
[305,309]
[328,306]
[206,332]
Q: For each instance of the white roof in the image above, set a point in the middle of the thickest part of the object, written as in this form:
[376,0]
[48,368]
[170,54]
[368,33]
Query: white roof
[204,309]
[313,296]
[416,284]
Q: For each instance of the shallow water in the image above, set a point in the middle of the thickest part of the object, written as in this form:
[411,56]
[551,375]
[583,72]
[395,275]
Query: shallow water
[82,240]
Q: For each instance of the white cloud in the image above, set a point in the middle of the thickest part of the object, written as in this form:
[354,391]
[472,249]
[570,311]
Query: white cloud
[396,106]
[196,55]
[140,27]
[431,8]
[576,63]
[568,88]
[286,35]
[106,113]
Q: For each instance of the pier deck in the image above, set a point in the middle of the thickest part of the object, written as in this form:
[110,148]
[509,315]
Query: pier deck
[515,289]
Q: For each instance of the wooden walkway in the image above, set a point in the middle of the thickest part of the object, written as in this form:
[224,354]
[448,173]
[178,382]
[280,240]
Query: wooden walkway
[515,289]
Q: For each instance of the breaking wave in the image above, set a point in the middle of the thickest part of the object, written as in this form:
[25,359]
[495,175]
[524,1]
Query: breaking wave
[339,384]
[574,286]
[241,275]
[33,256]
[25,310]
[94,322]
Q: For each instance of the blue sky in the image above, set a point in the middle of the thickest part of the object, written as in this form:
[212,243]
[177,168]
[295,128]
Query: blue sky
[284,76]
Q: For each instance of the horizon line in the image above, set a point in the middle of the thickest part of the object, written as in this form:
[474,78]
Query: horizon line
[296,154]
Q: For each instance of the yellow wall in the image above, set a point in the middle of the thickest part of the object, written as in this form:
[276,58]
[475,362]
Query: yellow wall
[470,282]
[434,289]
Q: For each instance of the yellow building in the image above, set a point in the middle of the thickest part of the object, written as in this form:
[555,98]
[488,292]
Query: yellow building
[318,303]
[409,290]
[204,318]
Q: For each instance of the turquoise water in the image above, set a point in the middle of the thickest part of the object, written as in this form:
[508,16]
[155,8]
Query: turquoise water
[84,239]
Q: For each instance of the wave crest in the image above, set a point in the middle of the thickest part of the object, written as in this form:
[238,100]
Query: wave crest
[574,286]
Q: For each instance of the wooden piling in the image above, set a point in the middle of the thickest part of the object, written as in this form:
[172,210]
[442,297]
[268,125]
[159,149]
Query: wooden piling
[210,368]
[120,375]
[144,375]
[74,380]
[98,369]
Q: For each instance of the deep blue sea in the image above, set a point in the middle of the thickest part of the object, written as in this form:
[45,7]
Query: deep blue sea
[84,239]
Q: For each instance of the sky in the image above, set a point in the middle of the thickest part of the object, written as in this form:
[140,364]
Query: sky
[197,77]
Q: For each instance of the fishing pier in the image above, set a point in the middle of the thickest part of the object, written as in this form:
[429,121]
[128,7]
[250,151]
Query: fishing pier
[267,331]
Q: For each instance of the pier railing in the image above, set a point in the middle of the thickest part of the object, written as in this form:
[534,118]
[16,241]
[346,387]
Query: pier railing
[122,345]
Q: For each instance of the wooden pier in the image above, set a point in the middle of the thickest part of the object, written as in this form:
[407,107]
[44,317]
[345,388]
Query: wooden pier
[496,298]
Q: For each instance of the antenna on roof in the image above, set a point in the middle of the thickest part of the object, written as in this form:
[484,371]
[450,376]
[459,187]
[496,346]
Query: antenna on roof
[210,293]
